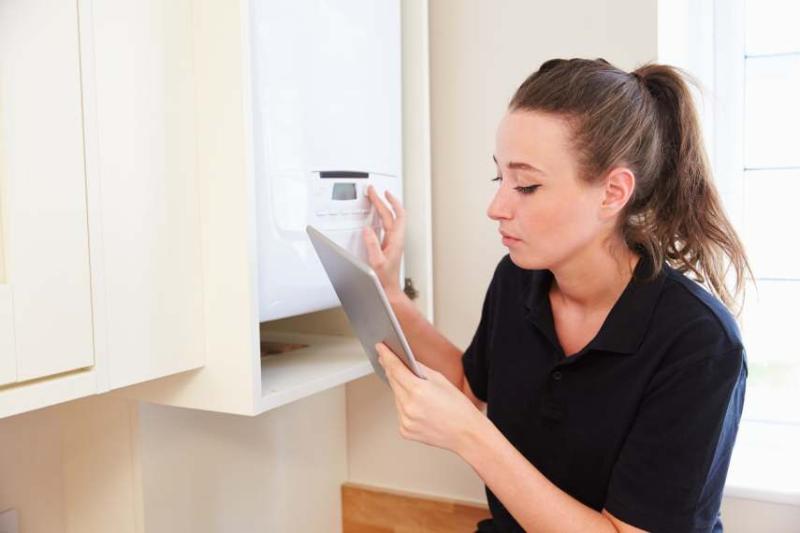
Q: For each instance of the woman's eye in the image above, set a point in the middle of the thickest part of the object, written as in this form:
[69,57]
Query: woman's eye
[524,190]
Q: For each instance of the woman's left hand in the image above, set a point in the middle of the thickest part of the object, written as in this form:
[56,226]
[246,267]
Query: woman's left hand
[432,411]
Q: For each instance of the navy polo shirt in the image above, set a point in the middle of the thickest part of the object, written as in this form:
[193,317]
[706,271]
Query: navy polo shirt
[641,421]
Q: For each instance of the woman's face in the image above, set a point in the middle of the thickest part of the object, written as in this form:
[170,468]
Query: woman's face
[548,214]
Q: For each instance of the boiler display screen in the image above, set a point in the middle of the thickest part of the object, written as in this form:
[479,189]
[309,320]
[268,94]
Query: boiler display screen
[344,191]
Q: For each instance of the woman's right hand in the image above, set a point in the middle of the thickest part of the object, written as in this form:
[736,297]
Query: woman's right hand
[384,258]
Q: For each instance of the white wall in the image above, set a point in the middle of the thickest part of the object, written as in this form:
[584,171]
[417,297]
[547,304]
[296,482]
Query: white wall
[72,468]
[105,464]
[209,472]
[31,479]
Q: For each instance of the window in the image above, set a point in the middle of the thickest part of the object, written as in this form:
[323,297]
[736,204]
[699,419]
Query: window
[770,181]
[746,54]
[757,163]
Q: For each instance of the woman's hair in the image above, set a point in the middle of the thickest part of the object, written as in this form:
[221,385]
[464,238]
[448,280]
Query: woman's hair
[645,120]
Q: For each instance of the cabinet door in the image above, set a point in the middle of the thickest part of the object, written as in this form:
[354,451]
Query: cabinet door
[143,124]
[8,363]
[8,359]
[45,273]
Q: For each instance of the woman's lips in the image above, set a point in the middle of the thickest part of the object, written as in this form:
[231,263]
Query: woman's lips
[508,240]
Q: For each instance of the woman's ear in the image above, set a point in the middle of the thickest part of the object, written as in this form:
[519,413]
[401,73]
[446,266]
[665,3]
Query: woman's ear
[618,188]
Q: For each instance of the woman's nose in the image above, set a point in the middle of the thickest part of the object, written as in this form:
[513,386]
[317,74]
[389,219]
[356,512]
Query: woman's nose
[499,207]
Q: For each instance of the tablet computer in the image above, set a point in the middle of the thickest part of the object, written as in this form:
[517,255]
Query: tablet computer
[364,302]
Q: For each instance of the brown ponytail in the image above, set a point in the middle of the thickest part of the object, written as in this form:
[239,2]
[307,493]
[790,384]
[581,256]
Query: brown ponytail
[647,121]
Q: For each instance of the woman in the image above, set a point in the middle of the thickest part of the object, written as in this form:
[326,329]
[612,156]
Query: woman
[614,383]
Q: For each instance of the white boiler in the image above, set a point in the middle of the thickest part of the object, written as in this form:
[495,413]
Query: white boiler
[326,100]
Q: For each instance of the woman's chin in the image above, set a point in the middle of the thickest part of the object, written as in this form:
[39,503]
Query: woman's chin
[524,261]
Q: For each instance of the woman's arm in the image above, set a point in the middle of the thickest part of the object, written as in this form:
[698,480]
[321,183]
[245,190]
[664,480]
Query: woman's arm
[429,346]
[535,502]
[435,412]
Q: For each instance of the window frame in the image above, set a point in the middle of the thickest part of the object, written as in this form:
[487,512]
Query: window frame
[707,39]
[756,466]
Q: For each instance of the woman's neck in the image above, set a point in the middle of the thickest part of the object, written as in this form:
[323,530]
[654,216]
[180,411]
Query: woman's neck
[593,280]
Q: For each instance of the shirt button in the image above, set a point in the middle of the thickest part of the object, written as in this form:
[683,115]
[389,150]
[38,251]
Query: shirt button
[557,375]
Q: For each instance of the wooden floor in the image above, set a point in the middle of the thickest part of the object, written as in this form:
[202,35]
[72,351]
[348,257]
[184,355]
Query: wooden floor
[375,510]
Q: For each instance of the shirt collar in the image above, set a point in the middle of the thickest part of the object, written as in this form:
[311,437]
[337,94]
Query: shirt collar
[627,322]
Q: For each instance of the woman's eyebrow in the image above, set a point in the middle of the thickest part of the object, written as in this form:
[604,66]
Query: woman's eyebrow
[518,165]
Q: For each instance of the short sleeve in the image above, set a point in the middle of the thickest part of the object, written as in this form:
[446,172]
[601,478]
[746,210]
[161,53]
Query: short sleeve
[475,359]
[671,470]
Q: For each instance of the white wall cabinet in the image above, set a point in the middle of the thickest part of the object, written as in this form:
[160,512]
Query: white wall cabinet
[128,212]
[100,253]
[45,297]
[141,136]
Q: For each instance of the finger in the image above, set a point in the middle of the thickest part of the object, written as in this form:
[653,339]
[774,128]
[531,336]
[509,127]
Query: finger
[393,365]
[399,210]
[398,391]
[387,358]
[387,218]
[426,371]
[394,238]
[392,384]
[398,227]
[385,364]
[374,252]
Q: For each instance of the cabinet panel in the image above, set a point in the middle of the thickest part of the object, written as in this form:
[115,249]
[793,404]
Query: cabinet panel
[8,363]
[143,124]
[8,359]
[42,179]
